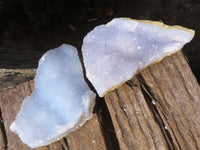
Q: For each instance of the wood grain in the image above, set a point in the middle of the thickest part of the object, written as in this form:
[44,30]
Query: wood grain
[9,78]
[17,66]
[159,108]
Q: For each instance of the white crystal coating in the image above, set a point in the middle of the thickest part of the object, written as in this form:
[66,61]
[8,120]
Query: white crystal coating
[115,52]
[60,103]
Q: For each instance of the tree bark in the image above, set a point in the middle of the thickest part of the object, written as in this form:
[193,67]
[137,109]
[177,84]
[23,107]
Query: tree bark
[159,108]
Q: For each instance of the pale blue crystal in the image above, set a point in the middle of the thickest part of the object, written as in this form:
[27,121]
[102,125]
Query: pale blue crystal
[115,52]
[60,103]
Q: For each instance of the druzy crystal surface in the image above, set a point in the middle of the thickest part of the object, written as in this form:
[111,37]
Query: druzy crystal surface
[60,103]
[114,52]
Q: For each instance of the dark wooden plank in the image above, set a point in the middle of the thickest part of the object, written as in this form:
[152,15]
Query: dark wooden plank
[17,66]
[159,108]
[19,59]
[10,78]
[89,136]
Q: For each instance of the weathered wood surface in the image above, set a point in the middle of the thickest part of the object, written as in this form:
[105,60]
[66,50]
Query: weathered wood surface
[17,66]
[159,108]
[10,78]
[90,136]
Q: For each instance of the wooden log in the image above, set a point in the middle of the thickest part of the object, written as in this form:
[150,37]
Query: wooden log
[159,108]
[90,136]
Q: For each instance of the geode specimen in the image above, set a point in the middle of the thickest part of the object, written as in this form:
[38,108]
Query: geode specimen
[115,52]
[61,101]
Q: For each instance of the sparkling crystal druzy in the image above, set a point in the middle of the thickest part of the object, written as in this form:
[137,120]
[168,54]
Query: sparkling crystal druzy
[60,103]
[115,52]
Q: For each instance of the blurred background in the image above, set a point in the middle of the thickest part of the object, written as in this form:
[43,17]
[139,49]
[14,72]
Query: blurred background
[28,28]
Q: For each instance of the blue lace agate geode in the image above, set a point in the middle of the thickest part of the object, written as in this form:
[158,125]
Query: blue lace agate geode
[115,52]
[61,101]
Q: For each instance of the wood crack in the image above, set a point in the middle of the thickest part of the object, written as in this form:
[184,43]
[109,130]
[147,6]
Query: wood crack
[66,143]
[106,125]
[152,106]
[3,130]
